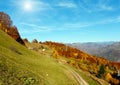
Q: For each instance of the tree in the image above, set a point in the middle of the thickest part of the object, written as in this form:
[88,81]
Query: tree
[101,71]
[35,41]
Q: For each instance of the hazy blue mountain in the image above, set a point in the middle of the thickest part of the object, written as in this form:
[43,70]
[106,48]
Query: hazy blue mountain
[109,50]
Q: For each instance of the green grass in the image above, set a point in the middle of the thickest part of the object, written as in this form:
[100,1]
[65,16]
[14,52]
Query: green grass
[88,79]
[85,76]
[21,66]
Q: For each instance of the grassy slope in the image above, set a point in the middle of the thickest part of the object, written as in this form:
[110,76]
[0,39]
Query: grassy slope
[20,65]
[48,52]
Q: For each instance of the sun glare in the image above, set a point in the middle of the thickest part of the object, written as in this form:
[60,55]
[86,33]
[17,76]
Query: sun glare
[28,6]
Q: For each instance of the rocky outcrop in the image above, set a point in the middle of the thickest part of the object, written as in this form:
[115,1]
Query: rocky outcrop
[7,26]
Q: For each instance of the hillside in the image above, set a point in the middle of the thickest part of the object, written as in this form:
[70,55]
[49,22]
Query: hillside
[44,49]
[108,50]
[49,63]
[111,52]
[90,47]
[86,62]
[18,65]
[35,66]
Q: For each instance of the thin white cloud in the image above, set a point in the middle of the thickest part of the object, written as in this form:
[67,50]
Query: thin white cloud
[83,7]
[104,7]
[36,5]
[66,26]
[118,19]
[74,26]
[32,28]
[98,6]
[110,20]
[67,4]
[41,6]
[35,28]
[79,25]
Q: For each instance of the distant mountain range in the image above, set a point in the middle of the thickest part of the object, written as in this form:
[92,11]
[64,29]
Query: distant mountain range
[109,50]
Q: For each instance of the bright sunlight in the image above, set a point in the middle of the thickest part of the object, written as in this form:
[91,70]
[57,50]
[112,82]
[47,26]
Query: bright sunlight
[28,6]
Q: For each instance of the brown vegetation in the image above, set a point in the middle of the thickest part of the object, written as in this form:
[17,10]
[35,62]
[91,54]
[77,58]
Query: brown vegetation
[79,59]
[35,41]
[7,26]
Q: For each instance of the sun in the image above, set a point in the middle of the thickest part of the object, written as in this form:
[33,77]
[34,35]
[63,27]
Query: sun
[28,6]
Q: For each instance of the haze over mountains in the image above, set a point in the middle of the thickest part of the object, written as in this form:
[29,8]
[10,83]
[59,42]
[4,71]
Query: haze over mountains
[109,50]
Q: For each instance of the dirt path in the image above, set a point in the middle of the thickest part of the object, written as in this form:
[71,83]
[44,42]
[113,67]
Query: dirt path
[80,80]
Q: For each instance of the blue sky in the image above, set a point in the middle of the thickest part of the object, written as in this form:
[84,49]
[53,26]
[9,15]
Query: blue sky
[65,20]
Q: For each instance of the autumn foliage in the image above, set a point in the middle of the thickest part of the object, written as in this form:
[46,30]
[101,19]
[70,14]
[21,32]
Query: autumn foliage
[79,59]
[70,52]
[6,25]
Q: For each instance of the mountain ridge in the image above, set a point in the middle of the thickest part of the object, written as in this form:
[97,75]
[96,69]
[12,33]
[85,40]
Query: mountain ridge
[109,50]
